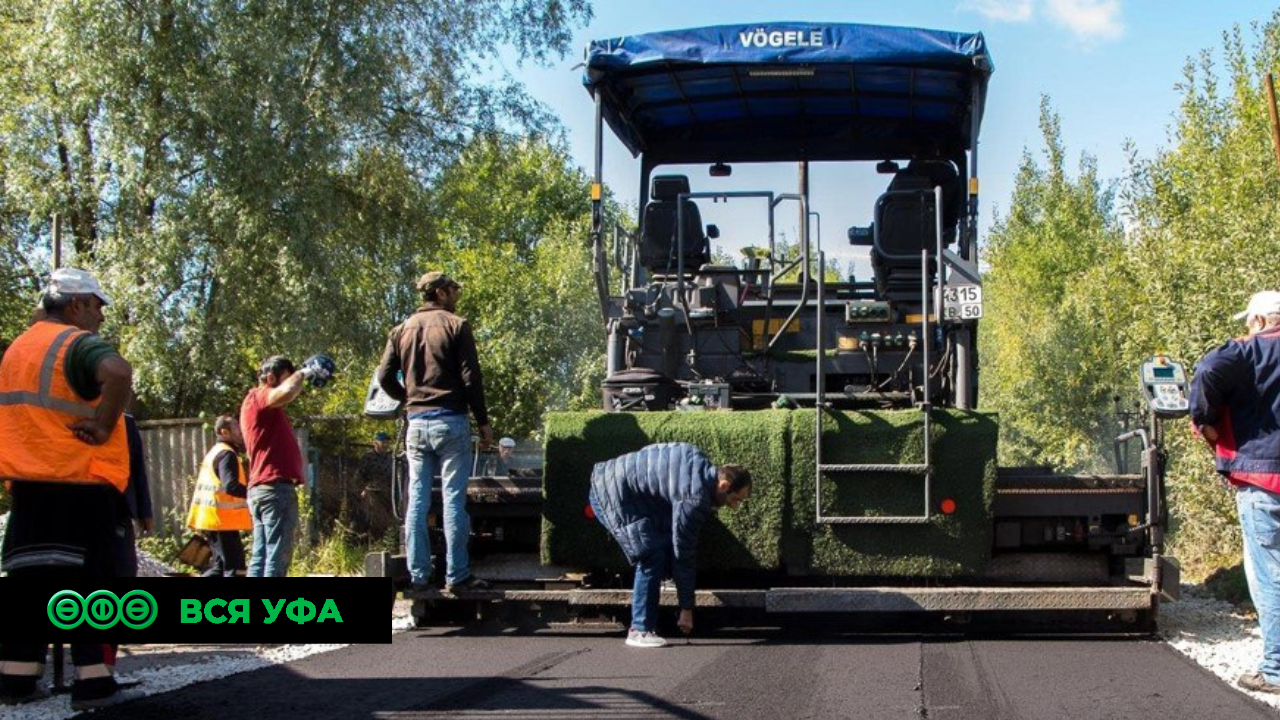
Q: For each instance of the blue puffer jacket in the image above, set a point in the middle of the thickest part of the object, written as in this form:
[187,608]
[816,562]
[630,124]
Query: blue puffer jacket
[657,499]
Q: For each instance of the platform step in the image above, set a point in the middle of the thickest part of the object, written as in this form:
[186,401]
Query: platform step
[875,520]
[884,468]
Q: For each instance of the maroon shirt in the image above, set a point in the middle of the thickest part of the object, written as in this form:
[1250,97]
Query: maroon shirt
[274,455]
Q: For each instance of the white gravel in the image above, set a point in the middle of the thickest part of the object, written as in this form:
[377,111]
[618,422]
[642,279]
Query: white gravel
[202,667]
[1216,635]
[151,567]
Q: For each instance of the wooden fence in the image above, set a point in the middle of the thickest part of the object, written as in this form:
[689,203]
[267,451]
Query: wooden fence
[173,450]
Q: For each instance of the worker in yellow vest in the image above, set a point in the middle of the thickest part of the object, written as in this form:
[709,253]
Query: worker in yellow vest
[66,460]
[218,506]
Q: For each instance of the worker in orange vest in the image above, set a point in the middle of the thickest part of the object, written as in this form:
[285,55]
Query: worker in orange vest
[218,506]
[66,459]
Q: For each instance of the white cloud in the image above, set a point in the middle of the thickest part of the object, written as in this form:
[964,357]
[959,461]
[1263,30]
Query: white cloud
[1000,10]
[1089,20]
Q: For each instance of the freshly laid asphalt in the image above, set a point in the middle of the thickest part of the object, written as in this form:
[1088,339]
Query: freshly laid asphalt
[763,673]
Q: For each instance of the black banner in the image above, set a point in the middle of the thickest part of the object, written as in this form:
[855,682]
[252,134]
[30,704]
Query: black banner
[196,610]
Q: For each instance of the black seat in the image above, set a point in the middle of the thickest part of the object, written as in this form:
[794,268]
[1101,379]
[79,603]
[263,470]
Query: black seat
[905,225]
[658,239]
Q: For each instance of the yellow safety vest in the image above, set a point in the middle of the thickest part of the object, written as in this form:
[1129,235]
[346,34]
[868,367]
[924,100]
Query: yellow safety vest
[36,406]
[212,509]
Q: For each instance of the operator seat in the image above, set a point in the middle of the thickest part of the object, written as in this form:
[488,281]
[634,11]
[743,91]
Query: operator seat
[904,225]
[658,240]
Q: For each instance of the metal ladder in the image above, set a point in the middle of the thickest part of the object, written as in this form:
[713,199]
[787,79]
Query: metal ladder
[925,469]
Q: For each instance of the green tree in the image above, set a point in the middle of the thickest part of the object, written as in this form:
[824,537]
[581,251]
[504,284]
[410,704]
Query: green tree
[512,215]
[1076,303]
[517,216]
[248,177]
[1047,364]
[1205,228]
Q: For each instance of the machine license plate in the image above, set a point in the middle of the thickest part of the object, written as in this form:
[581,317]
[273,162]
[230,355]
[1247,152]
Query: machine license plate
[962,302]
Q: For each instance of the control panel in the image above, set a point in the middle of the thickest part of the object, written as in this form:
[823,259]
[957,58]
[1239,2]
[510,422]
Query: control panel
[712,396]
[867,311]
[1164,385]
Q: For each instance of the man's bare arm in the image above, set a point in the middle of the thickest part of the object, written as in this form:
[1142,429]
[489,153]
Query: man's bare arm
[285,392]
[115,375]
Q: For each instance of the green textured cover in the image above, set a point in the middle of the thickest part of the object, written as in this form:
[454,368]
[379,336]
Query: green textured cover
[775,529]
[964,457]
[743,539]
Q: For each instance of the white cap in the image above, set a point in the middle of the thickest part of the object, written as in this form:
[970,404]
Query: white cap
[506,442]
[1261,304]
[71,281]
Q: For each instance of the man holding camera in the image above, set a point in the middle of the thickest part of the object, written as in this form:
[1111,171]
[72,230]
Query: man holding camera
[275,459]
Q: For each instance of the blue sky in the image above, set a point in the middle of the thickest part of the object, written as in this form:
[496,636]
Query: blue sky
[1109,67]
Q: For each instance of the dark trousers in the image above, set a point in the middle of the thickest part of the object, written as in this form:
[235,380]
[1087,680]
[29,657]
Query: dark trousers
[126,549]
[228,553]
[81,653]
[60,531]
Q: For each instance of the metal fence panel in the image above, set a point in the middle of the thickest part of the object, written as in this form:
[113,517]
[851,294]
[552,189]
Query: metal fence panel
[173,451]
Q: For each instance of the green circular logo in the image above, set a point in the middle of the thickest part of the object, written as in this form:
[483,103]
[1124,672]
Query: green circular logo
[66,609]
[102,610]
[138,609]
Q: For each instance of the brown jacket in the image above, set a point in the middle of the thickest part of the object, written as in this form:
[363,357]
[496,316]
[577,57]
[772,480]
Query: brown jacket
[437,354]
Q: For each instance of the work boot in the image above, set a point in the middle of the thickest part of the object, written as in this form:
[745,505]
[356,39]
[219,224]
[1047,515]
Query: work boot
[637,638]
[100,692]
[1256,682]
[115,698]
[470,583]
[16,690]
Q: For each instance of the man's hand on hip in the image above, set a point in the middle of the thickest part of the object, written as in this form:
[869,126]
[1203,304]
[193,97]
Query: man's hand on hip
[1209,433]
[90,431]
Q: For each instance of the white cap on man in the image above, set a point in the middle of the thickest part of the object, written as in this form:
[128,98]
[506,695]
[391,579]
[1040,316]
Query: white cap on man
[73,281]
[506,442]
[1261,304]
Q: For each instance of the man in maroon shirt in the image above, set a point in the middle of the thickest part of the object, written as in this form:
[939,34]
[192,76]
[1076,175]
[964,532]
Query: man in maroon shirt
[275,465]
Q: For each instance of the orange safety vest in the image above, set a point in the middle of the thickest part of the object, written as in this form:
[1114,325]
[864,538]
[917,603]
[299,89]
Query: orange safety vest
[36,406]
[212,509]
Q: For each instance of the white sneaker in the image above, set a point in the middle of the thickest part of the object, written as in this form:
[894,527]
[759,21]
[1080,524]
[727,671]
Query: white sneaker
[635,638]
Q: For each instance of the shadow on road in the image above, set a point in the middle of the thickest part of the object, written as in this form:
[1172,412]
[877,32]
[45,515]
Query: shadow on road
[278,693]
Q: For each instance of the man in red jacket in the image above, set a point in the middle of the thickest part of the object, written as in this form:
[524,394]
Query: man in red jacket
[1235,404]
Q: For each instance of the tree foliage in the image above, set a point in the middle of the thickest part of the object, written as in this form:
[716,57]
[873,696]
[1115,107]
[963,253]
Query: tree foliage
[248,177]
[512,216]
[1077,304]
[1047,363]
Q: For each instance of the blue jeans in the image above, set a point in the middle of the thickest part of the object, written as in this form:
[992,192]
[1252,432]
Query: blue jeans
[274,510]
[1260,523]
[444,444]
[646,593]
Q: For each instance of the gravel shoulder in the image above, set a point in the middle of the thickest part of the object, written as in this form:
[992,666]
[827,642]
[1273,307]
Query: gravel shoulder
[1216,635]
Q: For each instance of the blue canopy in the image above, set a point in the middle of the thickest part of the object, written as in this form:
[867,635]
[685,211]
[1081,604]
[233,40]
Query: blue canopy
[791,91]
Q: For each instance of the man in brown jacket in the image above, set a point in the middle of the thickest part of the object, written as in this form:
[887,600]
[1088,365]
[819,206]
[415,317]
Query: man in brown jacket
[430,364]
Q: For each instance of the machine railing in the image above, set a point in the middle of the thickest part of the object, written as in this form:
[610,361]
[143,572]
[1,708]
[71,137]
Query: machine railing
[924,469]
